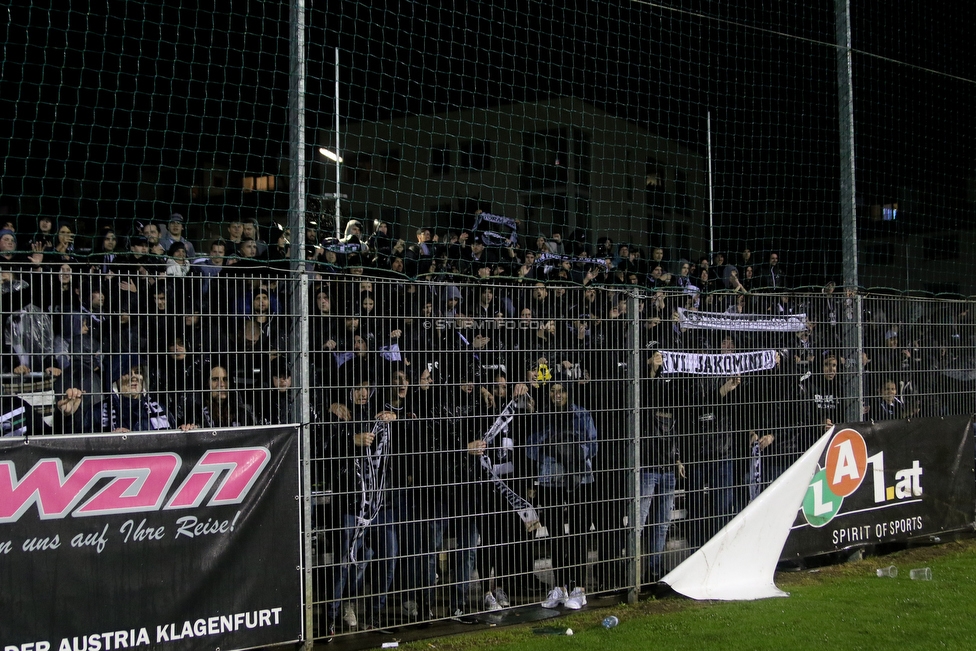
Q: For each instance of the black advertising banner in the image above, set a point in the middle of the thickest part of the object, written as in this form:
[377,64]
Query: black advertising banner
[182,540]
[886,482]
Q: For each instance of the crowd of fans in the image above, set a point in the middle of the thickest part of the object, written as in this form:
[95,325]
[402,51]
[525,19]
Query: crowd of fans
[484,388]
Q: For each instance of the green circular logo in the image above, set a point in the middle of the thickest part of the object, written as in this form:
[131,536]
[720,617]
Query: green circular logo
[820,504]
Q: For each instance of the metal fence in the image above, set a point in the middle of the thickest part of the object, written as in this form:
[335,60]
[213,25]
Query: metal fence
[472,447]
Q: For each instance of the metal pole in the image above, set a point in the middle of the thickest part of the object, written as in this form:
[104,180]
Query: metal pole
[338,152]
[297,183]
[853,339]
[845,103]
[711,193]
[635,371]
[296,222]
[854,414]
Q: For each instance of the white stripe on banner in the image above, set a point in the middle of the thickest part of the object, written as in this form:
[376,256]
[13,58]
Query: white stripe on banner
[718,364]
[741,322]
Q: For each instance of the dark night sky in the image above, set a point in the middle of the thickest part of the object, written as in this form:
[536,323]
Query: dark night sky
[92,94]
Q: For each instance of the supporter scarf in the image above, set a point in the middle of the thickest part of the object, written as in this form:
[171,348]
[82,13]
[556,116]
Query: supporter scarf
[112,412]
[741,322]
[348,247]
[497,239]
[520,505]
[718,364]
[371,478]
[550,260]
[14,422]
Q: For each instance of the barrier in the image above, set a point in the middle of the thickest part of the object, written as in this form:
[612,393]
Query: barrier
[468,448]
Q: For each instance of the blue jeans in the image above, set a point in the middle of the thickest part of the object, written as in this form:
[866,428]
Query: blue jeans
[377,549]
[421,538]
[463,559]
[656,502]
[721,483]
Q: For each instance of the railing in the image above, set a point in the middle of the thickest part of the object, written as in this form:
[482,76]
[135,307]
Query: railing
[476,446]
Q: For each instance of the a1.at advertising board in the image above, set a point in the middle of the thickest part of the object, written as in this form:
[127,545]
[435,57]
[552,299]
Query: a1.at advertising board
[150,541]
[886,482]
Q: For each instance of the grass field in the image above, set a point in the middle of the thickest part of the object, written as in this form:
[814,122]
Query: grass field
[837,607]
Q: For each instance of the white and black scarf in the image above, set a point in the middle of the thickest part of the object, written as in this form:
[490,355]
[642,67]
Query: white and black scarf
[520,505]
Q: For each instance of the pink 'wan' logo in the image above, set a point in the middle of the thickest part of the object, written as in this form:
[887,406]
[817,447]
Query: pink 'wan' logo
[129,483]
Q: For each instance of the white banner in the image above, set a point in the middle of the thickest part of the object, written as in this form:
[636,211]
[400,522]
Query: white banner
[718,364]
[741,322]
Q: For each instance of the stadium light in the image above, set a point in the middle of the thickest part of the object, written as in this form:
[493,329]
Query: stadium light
[331,155]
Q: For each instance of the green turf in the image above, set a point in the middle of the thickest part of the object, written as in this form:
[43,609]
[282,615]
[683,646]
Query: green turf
[833,608]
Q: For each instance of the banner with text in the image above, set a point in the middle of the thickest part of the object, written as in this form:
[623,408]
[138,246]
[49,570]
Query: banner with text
[718,363]
[184,540]
[886,482]
[741,322]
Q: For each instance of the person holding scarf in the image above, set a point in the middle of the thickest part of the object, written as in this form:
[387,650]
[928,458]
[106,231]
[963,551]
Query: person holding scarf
[130,407]
[359,453]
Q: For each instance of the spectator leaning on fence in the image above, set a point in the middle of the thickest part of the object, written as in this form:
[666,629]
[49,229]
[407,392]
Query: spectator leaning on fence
[563,445]
[130,407]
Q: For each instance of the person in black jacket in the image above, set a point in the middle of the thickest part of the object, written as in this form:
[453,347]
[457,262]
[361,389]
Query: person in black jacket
[660,462]
[420,477]
[359,454]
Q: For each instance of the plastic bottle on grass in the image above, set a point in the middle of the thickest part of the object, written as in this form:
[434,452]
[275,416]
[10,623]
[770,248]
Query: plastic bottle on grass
[610,621]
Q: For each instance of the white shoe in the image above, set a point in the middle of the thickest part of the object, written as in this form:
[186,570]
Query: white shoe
[349,615]
[491,603]
[410,609]
[502,598]
[557,597]
[460,616]
[576,599]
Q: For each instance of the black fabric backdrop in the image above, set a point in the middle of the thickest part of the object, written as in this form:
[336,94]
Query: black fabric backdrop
[139,571]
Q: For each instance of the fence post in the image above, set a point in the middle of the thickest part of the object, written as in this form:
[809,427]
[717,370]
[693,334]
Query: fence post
[296,223]
[634,373]
[301,372]
[845,107]
[859,357]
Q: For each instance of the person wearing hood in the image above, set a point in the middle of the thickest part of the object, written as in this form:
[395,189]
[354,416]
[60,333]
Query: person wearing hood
[353,233]
[449,301]
[278,253]
[382,243]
